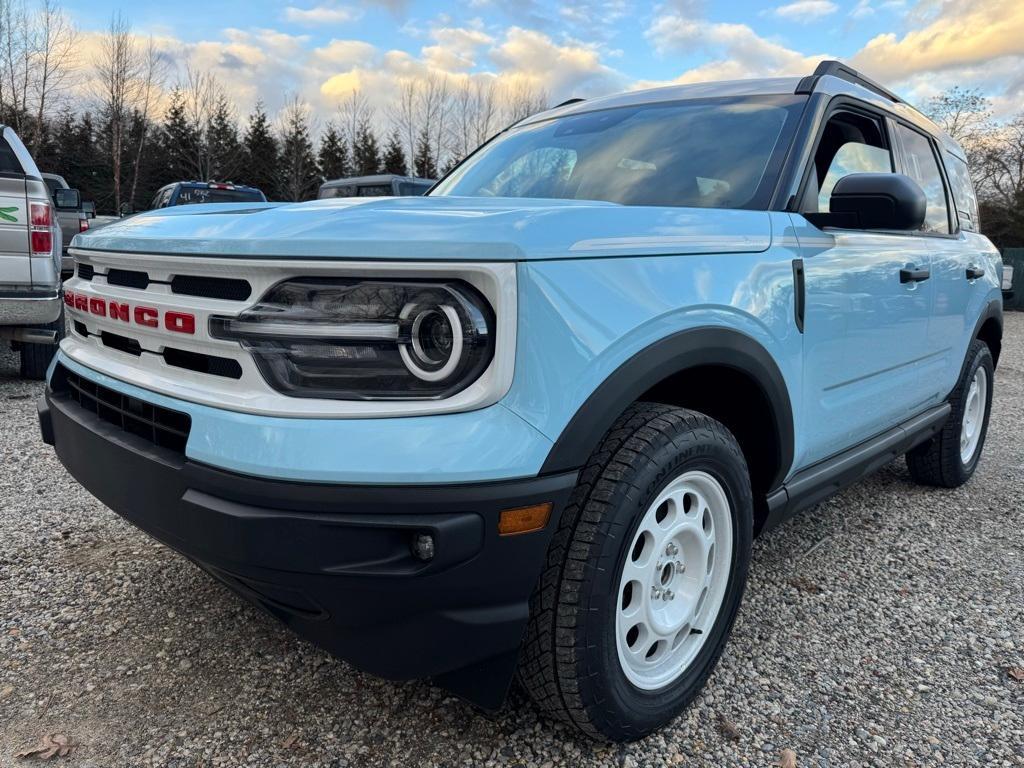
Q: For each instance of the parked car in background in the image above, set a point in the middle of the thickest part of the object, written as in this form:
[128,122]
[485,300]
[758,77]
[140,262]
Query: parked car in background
[31,312]
[69,214]
[383,185]
[193,192]
[531,422]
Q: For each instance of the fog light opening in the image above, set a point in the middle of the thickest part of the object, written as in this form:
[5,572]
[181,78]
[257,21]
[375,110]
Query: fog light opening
[423,546]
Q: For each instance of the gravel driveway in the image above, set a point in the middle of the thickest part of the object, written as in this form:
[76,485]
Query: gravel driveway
[882,628]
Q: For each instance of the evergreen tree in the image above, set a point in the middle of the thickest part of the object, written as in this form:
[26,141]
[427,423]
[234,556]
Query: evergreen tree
[394,156]
[333,157]
[424,163]
[298,175]
[222,145]
[365,152]
[261,153]
[180,142]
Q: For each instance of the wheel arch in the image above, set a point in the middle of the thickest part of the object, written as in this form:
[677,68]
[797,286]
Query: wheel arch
[989,328]
[741,385]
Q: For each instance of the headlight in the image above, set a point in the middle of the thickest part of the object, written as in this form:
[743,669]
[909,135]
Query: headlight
[366,339]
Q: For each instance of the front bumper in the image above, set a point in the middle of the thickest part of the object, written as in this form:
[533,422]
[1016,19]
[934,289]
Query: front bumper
[24,309]
[334,562]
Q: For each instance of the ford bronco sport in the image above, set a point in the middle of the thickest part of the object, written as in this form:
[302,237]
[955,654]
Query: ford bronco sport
[532,421]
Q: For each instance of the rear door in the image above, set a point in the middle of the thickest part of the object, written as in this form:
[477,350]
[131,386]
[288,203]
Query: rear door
[955,254]
[15,264]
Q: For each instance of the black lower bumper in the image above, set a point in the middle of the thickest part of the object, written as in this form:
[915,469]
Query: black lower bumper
[335,562]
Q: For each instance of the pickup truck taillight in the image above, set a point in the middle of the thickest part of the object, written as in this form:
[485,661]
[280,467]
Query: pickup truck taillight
[83,225]
[41,228]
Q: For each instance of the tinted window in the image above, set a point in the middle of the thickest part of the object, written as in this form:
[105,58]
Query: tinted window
[193,195]
[54,185]
[340,191]
[709,153]
[411,188]
[922,167]
[963,192]
[8,160]
[374,190]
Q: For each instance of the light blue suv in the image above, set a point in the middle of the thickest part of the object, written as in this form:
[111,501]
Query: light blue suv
[531,422]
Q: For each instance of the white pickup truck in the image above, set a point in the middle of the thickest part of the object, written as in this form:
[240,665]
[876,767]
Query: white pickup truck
[31,310]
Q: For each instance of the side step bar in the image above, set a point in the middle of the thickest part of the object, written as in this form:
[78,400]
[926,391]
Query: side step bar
[816,483]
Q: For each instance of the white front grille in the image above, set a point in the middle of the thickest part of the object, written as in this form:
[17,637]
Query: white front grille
[250,393]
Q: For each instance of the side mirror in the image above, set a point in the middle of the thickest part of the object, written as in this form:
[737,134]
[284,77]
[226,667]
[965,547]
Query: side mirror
[67,199]
[126,209]
[890,201]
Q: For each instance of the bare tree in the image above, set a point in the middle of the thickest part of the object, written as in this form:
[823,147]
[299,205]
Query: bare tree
[403,115]
[522,99]
[16,46]
[963,114]
[354,114]
[433,109]
[151,85]
[475,115]
[118,70]
[202,93]
[52,62]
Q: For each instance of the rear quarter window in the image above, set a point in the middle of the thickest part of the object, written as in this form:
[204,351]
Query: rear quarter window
[9,163]
[963,192]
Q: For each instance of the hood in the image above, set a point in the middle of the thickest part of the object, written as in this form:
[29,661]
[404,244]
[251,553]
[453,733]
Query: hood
[433,228]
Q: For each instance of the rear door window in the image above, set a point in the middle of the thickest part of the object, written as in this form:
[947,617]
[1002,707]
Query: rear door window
[922,166]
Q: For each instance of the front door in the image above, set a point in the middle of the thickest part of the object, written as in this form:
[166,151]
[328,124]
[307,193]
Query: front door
[867,306]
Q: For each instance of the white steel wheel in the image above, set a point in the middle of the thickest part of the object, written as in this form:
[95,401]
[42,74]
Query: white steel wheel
[673,580]
[974,415]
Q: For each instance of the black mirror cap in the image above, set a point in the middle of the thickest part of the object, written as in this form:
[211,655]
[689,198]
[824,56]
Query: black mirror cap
[878,201]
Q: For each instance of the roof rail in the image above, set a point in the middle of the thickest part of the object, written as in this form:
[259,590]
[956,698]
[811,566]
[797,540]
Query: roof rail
[843,72]
[567,102]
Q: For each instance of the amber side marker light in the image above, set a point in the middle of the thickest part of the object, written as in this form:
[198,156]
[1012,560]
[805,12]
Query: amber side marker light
[512,522]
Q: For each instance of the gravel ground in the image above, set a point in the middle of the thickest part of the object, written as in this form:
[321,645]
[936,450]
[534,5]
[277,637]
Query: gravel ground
[879,629]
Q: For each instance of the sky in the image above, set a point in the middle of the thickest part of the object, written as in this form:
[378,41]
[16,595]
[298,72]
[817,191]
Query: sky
[322,49]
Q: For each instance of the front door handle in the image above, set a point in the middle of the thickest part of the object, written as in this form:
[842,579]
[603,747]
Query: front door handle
[910,275]
[973,272]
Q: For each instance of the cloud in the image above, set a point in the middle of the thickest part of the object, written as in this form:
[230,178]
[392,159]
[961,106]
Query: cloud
[344,54]
[573,69]
[736,50]
[321,14]
[455,48]
[958,35]
[806,11]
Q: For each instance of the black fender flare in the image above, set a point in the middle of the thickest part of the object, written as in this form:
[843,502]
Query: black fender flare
[992,311]
[705,345]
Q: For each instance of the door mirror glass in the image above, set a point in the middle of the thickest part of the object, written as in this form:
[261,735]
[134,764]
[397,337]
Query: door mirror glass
[886,201]
[67,199]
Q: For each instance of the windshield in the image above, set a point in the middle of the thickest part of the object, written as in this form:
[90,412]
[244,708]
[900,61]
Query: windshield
[190,195]
[706,153]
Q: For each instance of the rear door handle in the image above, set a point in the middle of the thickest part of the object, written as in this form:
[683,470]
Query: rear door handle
[910,275]
[973,272]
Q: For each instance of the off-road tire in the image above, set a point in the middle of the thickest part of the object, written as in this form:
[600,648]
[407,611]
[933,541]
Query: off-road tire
[569,663]
[36,358]
[938,462]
